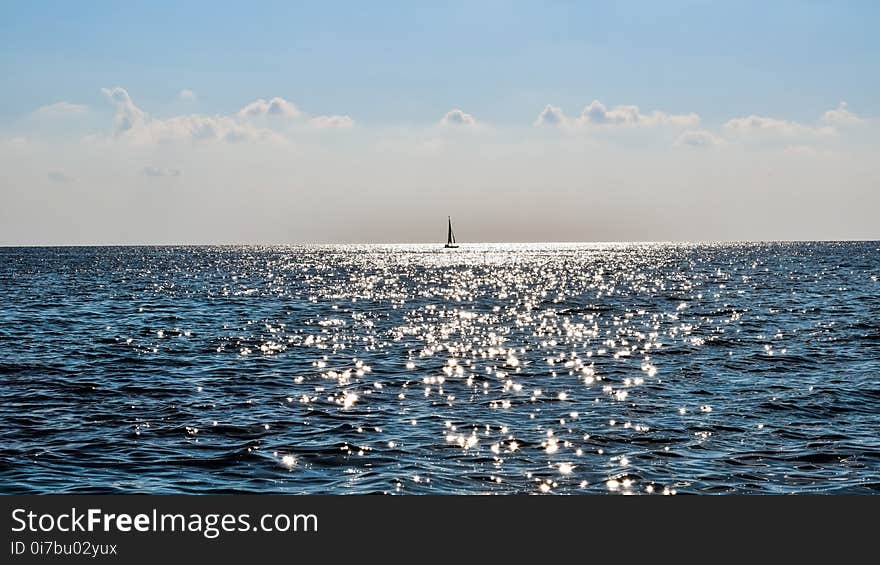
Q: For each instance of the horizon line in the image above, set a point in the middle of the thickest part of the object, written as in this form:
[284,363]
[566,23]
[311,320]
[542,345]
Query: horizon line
[440,244]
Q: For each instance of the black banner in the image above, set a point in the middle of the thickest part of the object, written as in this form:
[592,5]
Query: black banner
[149,529]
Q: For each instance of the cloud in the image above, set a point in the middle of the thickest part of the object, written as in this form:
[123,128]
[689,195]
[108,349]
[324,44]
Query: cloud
[699,138]
[456,117]
[841,116]
[196,127]
[59,177]
[597,113]
[199,128]
[61,110]
[128,116]
[187,94]
[754,124]
[156,172]
[276,107]
[831,123]
[331,122]
[133,124]
[551,116]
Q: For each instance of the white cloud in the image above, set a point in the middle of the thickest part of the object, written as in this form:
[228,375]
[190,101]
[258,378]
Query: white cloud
[551,116]
[699,138]
[128,116]
[457,117]
[597,113]
[196,127]
[331,122]
[827,125]
[841,116]
[157,172]
[830,123]
[754,123]
[59,177]
[61,110]
[202,128]
[276,107]
[187,94]
[132,123]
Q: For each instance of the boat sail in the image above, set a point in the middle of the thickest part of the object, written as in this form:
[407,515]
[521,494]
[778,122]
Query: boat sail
[450,237]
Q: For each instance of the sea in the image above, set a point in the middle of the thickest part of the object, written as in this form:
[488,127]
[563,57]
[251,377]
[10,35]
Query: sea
[580,369]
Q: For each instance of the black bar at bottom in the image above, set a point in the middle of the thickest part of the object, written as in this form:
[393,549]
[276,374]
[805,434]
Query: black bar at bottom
[149,529]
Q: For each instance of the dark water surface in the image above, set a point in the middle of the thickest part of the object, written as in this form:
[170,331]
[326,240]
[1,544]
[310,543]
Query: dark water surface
[618,368]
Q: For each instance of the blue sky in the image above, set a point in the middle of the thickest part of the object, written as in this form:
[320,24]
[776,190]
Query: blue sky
[282,122]
[407,61]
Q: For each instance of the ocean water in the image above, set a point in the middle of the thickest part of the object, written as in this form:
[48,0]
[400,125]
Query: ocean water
[411,369]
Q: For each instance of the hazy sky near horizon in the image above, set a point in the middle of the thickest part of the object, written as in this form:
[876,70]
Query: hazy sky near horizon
[279,122]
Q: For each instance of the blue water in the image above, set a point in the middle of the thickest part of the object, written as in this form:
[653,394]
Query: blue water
[607,368]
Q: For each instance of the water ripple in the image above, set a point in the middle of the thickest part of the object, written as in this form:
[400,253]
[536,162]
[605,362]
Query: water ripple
[540,368]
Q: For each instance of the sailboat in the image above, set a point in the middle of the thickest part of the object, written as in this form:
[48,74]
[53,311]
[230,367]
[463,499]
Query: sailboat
[450,237]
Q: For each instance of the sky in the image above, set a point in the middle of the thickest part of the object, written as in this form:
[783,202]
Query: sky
[281,122]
